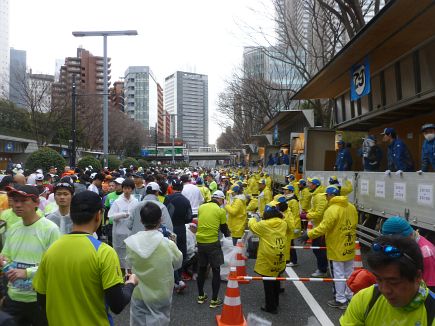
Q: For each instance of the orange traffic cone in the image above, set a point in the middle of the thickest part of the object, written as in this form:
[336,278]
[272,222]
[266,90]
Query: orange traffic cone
[240,262]
[232,314]
[309,228]
[357,263]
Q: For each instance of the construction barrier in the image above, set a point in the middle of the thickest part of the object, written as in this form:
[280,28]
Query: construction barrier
[232,313]
[240,262]
[291,279]
[308,247]
[357,263]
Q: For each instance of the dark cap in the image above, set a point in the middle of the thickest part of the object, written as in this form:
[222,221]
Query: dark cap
[25,191]
[138,175]
[389,132]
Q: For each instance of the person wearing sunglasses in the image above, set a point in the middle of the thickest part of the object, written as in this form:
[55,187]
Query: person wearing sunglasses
[397,225]
[400,296]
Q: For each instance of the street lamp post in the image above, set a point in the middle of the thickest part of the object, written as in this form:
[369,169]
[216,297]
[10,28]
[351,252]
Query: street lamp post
[105,34]
[73,124]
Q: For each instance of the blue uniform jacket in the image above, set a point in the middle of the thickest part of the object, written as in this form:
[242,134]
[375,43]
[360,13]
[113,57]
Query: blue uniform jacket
[399,157]
[428,155]
[343,161]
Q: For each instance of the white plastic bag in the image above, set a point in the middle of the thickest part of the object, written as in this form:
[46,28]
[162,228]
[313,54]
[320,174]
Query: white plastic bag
[229,251]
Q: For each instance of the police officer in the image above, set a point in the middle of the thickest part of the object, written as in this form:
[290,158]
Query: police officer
[399,157]
[428,150]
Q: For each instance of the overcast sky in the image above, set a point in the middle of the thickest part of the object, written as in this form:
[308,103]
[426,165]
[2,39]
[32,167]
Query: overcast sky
[201,36]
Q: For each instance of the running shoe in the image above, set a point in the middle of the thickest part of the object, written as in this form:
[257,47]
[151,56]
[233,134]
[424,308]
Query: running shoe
[180,287]
[318,273]
[216,303]
[336,304]
[202,298]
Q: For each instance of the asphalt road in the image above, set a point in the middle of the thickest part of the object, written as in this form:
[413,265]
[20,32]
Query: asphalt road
[296,308]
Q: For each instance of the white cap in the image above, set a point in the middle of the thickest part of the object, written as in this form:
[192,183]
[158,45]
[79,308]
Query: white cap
[154,186]
[218,194]
[119,180]
[39,171]
[39,177]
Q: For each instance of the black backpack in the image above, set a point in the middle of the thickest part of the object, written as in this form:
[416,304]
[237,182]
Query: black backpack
[429,303]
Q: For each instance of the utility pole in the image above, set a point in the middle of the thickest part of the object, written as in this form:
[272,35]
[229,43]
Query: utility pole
[156,142]
[173,137]
[72,162]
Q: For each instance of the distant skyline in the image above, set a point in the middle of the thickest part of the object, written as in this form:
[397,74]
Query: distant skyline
[193,36]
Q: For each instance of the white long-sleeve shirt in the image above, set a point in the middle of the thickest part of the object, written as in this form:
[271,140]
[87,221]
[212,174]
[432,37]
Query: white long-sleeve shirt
[194,195]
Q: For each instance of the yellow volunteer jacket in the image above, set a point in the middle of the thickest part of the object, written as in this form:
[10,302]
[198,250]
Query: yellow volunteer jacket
[295,185]
[252,205]
[268,182]
[339,227]
[237,216]
[289,219]
[305,199]
[346,188]
[205,192]
[270,256]
[253,185]
[264,198]
[318,206]
[293,206]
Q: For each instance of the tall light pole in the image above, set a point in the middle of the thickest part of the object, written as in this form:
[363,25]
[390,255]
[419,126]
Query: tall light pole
[105,34]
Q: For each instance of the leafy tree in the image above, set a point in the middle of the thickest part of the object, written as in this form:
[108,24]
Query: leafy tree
[130,161]
[89,161]
[44,158]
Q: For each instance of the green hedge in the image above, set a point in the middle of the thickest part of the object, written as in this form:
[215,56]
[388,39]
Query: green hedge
[89,160]
[114,162]
[143,163]
[43,159]
[130,161]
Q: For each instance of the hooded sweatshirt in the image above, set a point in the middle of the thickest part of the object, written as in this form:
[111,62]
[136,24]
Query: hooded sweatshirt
[153,259]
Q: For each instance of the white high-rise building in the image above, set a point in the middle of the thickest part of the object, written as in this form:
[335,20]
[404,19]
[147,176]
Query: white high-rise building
[140,96]
[186,100]
[4,48]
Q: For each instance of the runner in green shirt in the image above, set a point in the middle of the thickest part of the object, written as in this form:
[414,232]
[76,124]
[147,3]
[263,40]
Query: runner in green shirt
[79,277]
[26,242]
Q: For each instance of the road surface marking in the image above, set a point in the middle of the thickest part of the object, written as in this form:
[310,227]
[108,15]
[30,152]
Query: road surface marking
[320,314]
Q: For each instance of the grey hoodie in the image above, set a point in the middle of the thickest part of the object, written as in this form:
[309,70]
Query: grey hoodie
[136,225]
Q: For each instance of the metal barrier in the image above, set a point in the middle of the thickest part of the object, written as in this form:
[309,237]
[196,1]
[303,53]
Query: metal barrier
[409,195]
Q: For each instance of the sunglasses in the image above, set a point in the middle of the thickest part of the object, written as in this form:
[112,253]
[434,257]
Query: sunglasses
[390,251]
[64,184]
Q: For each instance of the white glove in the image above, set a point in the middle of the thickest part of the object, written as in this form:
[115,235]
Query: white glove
[387,172]
[399,172]
[419,172]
